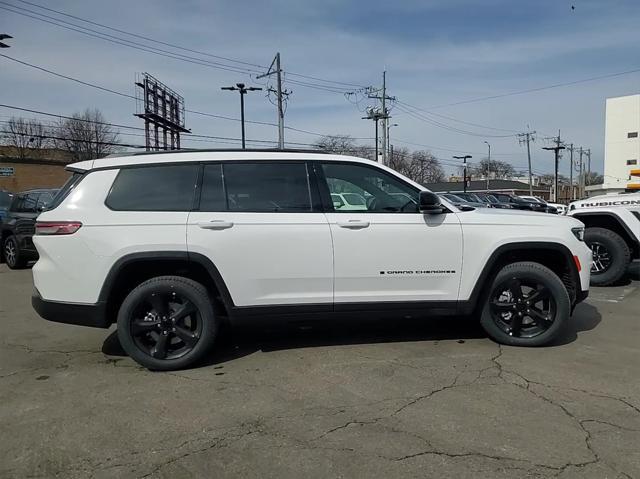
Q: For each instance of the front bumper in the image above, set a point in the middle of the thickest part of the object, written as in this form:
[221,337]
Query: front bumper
[93,315]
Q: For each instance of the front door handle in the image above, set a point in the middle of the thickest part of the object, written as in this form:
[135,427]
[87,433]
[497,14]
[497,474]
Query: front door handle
[353,224]
[215,225]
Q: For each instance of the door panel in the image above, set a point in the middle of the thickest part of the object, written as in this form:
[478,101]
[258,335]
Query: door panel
[263,234]
[388,251]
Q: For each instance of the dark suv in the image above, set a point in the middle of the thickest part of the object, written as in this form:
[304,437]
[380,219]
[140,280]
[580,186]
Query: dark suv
[18,226]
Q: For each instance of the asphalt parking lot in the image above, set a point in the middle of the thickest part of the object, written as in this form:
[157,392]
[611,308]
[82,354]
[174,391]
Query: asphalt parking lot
[394,399]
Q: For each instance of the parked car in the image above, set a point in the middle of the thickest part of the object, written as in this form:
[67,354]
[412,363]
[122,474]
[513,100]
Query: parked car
[560,208]
[612,232]
[169,245]
[491,200]
[519,203]
[458,201]
[18,227]
[5,202]
[349,201]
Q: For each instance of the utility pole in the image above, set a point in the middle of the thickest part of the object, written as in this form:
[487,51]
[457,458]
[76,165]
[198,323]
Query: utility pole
[243,91]
[464,179]
[556,150]
[375,115]
[588,153]
[280,93]
[4,36]
[384,113]
[488,164]
[527,138]
[580,177]
[389,147]
[571,195]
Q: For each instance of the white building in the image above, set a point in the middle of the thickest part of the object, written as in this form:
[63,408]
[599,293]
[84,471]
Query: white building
[621,146]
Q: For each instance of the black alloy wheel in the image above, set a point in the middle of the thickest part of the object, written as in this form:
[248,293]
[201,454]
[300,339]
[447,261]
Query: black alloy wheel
[601,258]
[522,308]
[527,305]
[166,325]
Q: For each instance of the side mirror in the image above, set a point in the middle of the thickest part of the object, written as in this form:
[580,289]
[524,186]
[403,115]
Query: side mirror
[430,203]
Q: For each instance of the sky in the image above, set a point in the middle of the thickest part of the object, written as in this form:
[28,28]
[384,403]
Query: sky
[443,58]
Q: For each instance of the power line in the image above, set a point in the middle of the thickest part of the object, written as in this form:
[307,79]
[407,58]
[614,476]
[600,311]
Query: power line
[532,90]
[407,105]
[157,51]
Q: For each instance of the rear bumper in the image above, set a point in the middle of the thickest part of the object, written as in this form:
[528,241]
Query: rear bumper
[93,315]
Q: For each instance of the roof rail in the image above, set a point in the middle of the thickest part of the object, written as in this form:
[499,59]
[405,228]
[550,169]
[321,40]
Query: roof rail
[225,150]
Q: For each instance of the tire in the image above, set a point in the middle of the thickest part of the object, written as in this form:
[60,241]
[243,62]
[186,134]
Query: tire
[603,241]
[12,254]
[526,322]
[167,323]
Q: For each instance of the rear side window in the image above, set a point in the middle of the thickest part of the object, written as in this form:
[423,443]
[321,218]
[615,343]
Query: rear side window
[44,200]
[24,203]
[267,187]
[63,192]
[154,188]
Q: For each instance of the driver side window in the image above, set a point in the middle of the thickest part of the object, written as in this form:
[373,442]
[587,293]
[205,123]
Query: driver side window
[364,188]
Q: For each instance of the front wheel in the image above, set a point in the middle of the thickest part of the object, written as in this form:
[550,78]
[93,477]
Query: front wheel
[527,305]
[167,323]
[611,256]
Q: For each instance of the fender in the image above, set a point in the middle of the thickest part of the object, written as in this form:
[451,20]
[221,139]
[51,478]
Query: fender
[482,283]
[615,217]
[185,256]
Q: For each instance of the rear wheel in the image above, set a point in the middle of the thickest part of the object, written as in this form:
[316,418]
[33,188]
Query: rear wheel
[167,323]
[12,254]
[611,256]
[528,305]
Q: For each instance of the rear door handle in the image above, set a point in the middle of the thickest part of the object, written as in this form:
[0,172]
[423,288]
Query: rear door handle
[353,224]
[215,225]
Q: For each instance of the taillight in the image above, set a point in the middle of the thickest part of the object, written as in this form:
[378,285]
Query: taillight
[57,227]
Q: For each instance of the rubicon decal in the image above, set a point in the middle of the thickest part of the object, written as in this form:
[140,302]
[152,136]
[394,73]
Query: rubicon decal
[610,203]
[417,272]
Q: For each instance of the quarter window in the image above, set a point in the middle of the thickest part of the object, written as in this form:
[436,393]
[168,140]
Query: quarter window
[267,187]
[367,189]
[154,188]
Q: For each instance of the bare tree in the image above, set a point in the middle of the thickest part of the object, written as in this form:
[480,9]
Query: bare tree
[593,178]
[27,137]
[86,136]
[427,168]
[344,145]
[549,179]
[492,169]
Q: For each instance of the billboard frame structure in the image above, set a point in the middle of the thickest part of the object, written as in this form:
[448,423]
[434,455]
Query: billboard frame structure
[163,113]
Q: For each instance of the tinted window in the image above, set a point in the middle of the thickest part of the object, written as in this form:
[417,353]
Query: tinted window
[632,134]
[44,199]
[380,191]
[263,187]
[212,196]
[26,203]
[63,192]
[154,188]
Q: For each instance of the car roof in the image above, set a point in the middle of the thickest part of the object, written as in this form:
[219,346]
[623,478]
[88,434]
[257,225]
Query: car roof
[210,155]
[38,190]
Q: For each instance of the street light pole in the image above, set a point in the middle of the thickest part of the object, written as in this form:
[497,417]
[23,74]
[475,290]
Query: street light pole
[488,164]
[464,179]
[243,91]
[389,140]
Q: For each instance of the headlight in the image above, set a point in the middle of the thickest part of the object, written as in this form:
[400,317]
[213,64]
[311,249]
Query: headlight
[578,232]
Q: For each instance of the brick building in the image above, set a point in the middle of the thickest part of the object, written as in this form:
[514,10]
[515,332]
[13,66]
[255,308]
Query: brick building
[35,169]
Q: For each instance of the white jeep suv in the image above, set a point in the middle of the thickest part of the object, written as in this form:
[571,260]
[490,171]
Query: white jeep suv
[169,245]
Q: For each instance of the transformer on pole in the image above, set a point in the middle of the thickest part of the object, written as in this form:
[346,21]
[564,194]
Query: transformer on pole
[163,112]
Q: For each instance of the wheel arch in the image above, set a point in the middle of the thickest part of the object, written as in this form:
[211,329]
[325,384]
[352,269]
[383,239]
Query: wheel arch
[555,256]
[132,269]
[610,221]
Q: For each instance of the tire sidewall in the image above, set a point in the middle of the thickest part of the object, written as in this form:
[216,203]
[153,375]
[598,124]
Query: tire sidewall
[191,290]
[551,281]
[615,248]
